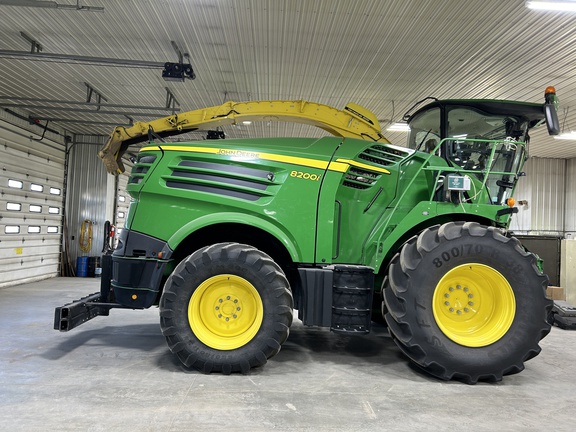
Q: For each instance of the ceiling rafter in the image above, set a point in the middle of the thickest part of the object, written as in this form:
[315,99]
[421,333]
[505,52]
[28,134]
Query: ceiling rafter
[51,5]
[95,104]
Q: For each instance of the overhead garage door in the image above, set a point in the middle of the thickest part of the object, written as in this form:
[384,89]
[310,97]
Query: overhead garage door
[31,191]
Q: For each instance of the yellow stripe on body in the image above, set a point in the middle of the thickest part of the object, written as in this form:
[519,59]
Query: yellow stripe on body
[363,165]
[341,165]
[181,148]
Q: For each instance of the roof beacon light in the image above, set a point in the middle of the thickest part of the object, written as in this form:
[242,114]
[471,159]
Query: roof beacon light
[551,111]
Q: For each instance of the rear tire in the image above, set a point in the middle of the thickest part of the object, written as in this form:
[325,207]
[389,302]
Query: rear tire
[465,302]
[226,308]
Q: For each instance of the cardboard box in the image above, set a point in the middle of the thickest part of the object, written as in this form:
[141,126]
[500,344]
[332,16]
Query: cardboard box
[555,293]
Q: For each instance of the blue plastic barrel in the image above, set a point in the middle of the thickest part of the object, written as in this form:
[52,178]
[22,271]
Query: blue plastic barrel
[82,266]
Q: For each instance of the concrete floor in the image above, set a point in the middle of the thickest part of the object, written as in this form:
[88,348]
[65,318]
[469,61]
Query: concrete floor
[116,374]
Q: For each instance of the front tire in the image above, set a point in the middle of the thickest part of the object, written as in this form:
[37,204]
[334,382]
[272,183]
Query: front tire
[465,302]
[226,308]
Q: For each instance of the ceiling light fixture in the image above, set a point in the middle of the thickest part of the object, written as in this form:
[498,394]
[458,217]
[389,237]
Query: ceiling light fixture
[568,6]
[566,136]
[398,127]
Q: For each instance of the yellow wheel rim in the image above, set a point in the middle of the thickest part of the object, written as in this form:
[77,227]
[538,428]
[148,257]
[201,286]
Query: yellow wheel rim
[225,312]
[474,305]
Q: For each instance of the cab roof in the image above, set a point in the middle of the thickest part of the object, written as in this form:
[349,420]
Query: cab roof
[533,112]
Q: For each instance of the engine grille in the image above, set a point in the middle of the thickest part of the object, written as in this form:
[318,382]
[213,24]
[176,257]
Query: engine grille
[383,155]
[359,178]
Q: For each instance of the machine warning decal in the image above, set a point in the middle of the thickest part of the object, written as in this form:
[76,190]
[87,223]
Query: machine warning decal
[357,114]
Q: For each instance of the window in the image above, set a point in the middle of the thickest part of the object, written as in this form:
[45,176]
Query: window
[120,215]
[122,198]
[53,210]
[55,191]
[34,229]
[11,229]
[52,230]
[16,184]
[425,130]
[36,188]
[35,208]
[13,206]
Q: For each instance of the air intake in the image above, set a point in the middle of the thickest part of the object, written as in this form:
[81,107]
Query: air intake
[383,155]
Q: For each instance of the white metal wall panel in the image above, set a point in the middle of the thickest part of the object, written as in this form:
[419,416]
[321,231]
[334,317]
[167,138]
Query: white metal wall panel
[548,178]
[544,187]
[31,191]
[570,212]
[521,222]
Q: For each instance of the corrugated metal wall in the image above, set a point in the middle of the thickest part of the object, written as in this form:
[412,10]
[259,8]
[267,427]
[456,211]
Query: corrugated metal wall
[548,177]
[544,187]
[521,222]
[570,210]
[92,198]
[86,198]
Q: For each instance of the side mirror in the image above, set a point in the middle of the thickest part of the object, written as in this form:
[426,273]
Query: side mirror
[551,112]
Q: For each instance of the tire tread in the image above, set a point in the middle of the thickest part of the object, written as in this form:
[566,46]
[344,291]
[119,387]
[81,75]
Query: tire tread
[398,290]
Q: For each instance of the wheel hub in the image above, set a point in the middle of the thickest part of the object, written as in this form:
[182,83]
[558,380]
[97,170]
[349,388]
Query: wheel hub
[228,308]
[459,300]
[474,305]
[225,312]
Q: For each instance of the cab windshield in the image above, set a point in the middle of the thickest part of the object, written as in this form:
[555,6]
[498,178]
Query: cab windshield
[468,132]
[463,122]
